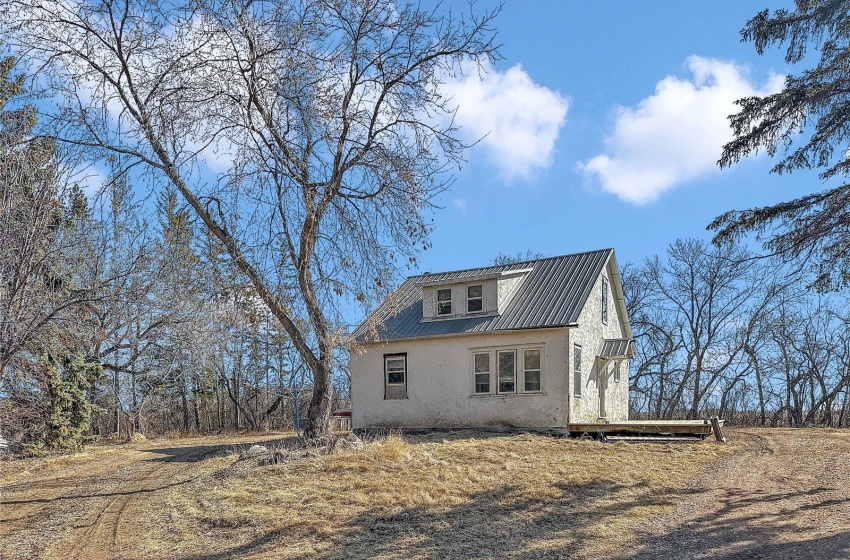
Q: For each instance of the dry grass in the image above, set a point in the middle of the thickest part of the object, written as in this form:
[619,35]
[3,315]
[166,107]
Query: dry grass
[457,495]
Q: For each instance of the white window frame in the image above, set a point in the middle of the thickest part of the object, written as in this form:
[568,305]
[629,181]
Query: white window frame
[518,352]
[617,371]
[395,356]
[447,301]
[539,370]
[488,373]
[605,290]
[479,298]
[578,383]
[499,371]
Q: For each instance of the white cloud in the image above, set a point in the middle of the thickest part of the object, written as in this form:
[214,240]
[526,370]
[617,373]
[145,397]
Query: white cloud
[518,119]
[90,179]
[674,135]
[461,204]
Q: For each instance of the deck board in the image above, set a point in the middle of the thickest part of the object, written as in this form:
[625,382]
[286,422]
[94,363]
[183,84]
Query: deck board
[700,427]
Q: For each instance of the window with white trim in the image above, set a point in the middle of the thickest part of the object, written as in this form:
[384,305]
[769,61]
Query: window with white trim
[395,376]
[444,301]
[501,371]
[506,360]
[531,370]
[475,298]
[577,370]
[604,300]
[481,371]
[616,372]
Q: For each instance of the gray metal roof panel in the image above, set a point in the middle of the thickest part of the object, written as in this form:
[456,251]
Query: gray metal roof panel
[553,294]
[615,348]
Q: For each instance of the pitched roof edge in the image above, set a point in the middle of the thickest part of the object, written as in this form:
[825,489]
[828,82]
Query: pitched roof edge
[509,264]
[455,335]
[620,296]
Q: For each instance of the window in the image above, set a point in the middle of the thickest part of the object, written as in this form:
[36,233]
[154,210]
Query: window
[482,372]
[395,376]
[577,369]
[605,300]
[474,298]
[507,371]
[531,370]
[444,302]
[616,372]
[515,371]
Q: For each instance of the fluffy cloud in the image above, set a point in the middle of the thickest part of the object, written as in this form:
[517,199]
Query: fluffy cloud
[674,135]
[516,120]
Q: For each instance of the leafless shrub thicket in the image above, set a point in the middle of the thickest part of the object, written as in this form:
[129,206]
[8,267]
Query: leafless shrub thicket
[719,332]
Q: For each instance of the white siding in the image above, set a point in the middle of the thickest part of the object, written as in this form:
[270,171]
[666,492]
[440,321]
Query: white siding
[440,384]
[589,334]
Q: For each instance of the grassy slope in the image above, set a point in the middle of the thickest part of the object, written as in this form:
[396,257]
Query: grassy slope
[457,495]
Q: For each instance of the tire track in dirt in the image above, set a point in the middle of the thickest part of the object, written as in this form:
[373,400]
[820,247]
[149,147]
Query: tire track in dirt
[785,496]
[102,539]
[89,510]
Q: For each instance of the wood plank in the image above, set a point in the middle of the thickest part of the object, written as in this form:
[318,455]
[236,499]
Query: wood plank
[656,439]
[715,427]
[657,427]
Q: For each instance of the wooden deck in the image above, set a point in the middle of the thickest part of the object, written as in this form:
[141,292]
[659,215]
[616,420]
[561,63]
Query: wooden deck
[641,428]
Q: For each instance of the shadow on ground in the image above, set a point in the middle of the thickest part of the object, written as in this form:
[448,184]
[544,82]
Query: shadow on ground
[500,524]
[197,453]
[504,524]
[735,532]
[74,497]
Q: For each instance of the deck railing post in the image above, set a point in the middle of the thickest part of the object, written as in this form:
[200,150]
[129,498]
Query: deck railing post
[715,427]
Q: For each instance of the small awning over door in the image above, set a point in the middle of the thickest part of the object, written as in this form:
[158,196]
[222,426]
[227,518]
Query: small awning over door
[617,349]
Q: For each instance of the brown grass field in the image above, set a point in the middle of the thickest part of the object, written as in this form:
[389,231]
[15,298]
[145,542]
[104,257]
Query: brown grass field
[465,495]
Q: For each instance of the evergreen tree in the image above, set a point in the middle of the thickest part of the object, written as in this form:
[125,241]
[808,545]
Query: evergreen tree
[68,411]
[815,105]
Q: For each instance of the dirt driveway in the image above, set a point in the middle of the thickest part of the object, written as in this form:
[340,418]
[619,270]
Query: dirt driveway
[785,495]
[96,507]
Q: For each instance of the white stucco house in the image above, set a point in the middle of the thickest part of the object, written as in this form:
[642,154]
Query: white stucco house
[537,344]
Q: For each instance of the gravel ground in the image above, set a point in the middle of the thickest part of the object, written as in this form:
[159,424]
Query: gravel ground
[787,496]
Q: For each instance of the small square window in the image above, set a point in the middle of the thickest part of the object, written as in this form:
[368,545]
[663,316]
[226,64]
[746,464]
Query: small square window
[474,298]
[444,301]
[482,372]
[395,370]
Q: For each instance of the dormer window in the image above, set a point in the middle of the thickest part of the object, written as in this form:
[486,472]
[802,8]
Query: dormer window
[444,301]
[475,298]
[474,295]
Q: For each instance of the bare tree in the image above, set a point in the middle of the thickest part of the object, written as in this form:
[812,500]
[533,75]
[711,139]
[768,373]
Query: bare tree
[330,111]
[49,273]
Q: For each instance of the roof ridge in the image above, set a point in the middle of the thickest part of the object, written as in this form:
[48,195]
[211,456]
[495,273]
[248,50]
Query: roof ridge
[509,264]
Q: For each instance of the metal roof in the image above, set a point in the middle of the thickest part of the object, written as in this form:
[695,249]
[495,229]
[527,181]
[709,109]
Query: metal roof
[553,294]
[616,348]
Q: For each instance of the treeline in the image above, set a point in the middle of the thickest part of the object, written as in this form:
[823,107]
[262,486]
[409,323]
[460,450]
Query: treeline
[718,331]
[117,316]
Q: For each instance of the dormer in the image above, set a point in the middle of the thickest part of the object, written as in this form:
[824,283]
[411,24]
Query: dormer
[470,296]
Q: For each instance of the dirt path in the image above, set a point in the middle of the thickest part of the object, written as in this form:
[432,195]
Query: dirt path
[787,496]
[90,511]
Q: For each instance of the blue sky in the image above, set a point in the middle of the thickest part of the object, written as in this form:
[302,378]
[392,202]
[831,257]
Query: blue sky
[645,87]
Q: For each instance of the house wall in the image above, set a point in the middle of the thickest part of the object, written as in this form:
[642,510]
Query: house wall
[440,383]
[589,335]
